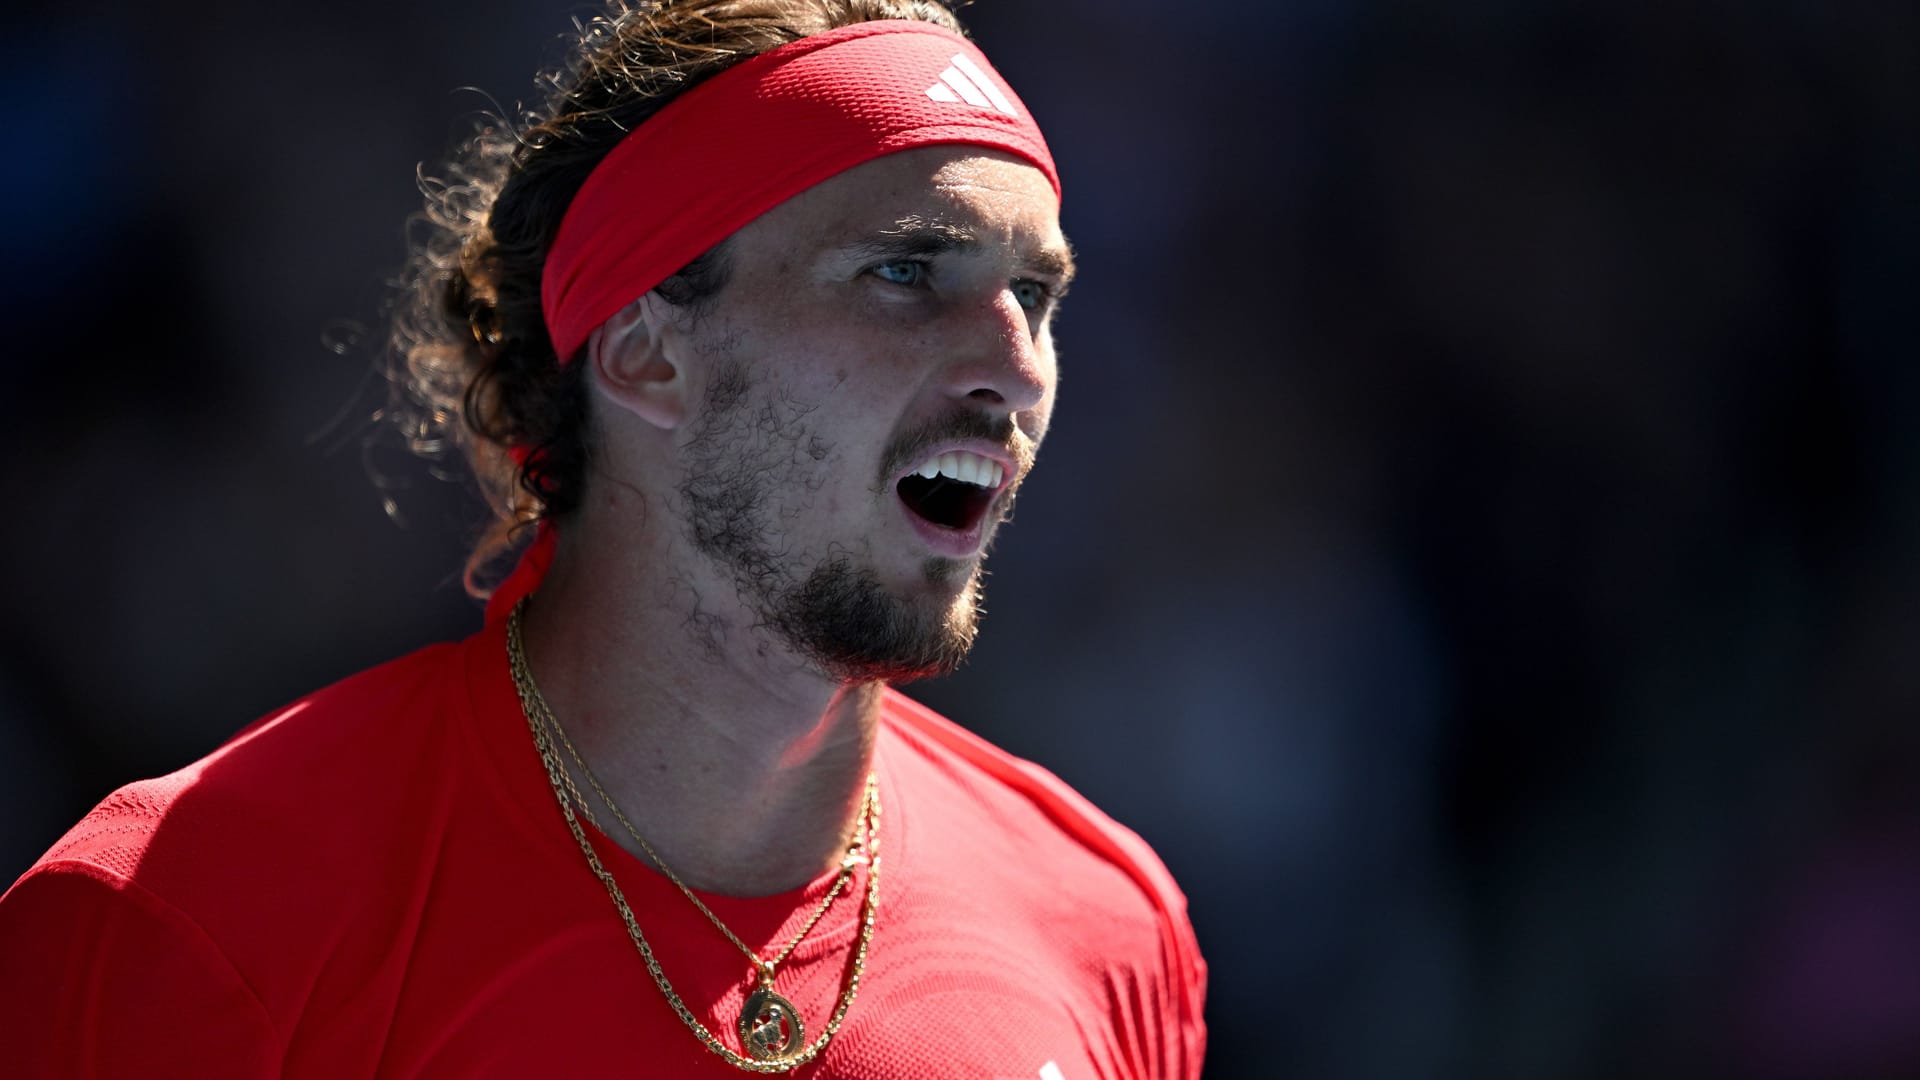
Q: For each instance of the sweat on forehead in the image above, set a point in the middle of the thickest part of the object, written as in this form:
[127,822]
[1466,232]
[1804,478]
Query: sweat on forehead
[753,136]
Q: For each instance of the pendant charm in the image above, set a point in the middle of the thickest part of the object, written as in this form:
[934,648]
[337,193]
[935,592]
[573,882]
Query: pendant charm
[770,1026]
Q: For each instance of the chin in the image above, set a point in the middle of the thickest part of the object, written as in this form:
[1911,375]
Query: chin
[855,629]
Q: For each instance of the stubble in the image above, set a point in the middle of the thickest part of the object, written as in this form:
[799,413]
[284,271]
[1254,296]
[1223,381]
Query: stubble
[754,463]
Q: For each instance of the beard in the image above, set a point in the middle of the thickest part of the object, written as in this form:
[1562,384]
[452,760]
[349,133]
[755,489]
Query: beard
[750,457]
[848,624]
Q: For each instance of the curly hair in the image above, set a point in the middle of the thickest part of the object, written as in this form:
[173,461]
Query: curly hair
[470,365]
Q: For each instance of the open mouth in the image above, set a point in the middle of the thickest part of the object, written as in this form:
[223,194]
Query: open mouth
[952,490]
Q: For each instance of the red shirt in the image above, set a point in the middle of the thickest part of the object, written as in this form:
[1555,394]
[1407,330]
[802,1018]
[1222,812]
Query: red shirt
[376,881]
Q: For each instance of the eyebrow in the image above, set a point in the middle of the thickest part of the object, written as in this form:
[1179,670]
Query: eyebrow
[914,236]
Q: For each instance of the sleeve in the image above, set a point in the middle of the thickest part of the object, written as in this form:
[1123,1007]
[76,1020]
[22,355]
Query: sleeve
[101,978]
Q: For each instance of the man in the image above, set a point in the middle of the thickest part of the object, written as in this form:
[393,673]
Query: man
[752,328]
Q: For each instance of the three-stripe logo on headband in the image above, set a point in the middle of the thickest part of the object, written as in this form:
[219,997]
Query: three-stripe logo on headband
[964,81]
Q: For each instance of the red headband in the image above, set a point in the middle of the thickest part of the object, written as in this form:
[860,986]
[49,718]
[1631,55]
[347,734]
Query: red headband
[755,135]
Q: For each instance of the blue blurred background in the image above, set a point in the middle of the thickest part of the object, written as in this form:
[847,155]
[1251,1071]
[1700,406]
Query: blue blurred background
[1479,545]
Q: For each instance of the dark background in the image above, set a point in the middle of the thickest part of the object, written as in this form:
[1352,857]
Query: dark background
[1479,545]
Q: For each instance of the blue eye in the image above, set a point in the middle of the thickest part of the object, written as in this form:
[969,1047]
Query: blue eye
[1030,294]
[905,272]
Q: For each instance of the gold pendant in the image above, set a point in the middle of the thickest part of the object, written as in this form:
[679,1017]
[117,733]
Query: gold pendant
[770,1026]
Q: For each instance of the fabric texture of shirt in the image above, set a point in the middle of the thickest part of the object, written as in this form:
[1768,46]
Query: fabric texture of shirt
[377,881]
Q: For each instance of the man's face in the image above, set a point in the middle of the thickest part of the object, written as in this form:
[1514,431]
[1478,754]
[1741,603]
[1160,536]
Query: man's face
[876,377]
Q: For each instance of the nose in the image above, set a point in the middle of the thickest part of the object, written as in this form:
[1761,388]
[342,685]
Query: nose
[1005,364]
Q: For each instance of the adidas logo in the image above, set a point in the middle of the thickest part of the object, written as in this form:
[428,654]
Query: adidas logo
[964,81]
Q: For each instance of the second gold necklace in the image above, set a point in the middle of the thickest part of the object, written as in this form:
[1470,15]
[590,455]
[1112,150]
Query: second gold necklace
[770,1027]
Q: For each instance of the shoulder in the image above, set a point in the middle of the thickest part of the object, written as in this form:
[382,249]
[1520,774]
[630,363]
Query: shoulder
[158,926]
[992,775]
[1039,825]
[276,787]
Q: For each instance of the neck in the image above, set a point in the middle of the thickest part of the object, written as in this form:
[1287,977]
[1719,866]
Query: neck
[742,766]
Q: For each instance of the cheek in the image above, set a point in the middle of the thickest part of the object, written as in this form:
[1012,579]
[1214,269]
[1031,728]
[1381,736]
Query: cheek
[832,447]
[1033,423]
[1035,420]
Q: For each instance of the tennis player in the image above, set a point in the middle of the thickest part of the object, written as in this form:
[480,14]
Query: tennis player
[747,335]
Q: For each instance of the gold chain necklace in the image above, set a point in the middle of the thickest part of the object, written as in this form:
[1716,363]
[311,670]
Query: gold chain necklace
[856,854]
[770,1027]
[765,1006]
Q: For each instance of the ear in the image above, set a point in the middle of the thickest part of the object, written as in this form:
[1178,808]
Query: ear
[632,368]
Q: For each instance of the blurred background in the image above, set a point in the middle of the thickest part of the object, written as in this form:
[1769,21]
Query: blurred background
[1479,545]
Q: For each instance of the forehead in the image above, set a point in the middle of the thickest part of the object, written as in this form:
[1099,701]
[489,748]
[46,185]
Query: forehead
[995,197]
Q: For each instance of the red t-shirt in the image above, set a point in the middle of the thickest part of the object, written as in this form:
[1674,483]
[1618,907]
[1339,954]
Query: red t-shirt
[376,881]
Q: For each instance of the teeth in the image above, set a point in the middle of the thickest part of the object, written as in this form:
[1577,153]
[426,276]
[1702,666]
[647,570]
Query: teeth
[964,467]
